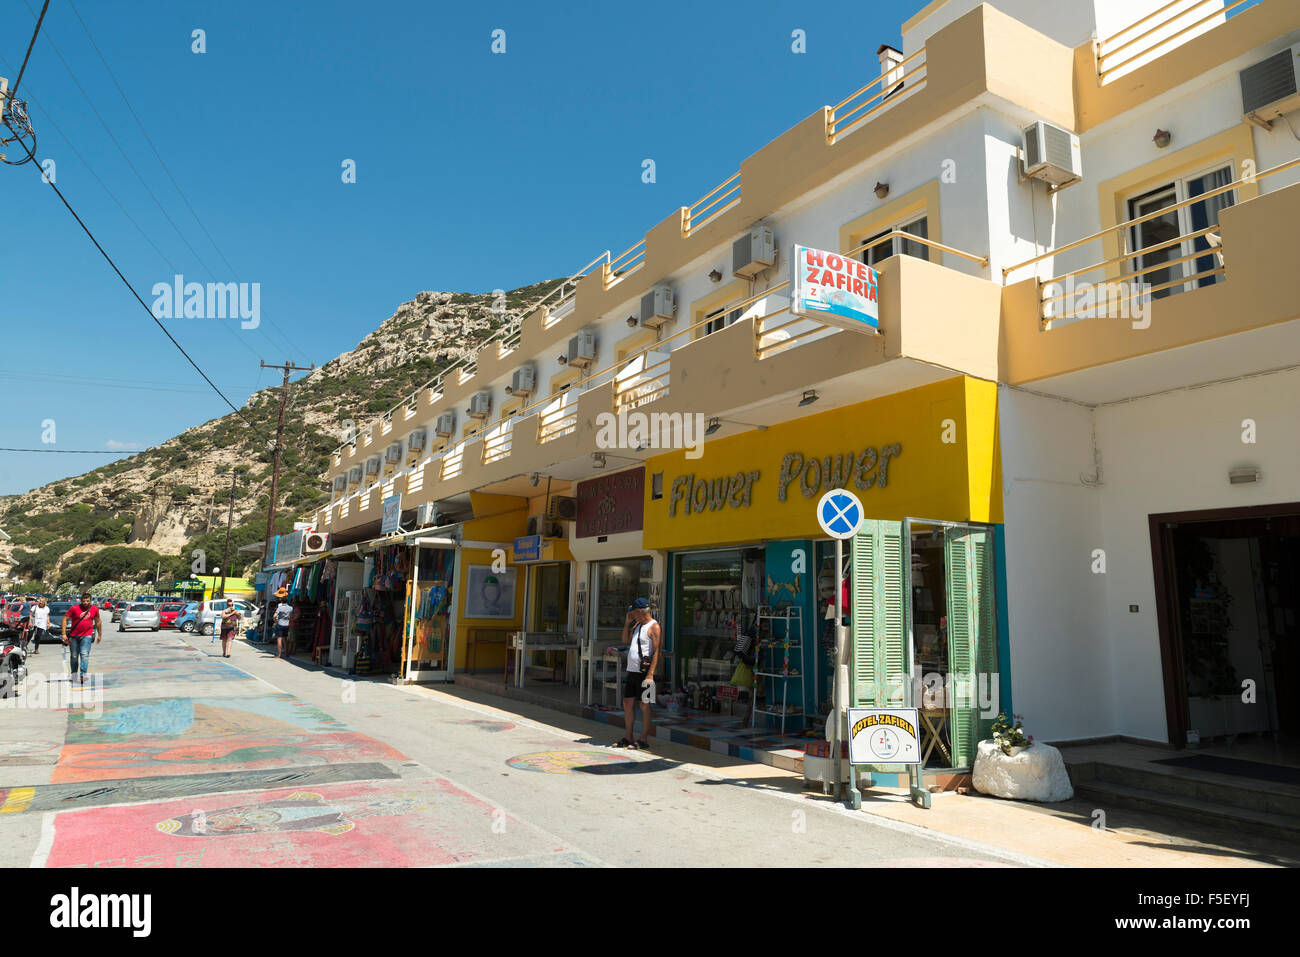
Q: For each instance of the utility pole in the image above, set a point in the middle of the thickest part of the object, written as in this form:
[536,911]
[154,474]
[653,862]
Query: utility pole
[234,476]
[275,462]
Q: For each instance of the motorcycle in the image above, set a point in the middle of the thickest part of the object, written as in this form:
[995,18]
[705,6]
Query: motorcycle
[13,666]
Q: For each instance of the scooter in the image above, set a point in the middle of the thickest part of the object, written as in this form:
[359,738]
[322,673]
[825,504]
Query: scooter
[13,667]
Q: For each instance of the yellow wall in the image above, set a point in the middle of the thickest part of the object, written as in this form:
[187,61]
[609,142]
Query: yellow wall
[505,518]
[930,478]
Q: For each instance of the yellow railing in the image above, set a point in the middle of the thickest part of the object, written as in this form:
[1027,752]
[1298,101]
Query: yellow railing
[1123,273]
[713,203]
[1146,43]
[623,265]
[497,441]
[560,420]
[908,76]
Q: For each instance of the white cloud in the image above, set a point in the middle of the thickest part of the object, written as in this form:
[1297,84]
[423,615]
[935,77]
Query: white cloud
[115,444]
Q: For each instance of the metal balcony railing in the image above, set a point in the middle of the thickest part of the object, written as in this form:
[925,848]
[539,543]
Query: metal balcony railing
[1159,32]
[622,266]
[891,87]
[1195,259]
[712,204]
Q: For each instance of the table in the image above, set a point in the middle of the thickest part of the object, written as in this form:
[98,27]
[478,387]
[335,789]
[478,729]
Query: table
[475,638]
[522,643]
[933,723]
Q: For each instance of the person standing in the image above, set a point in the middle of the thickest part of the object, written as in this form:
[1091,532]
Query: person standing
[24,622]
[40,629]
[83,622]
[229,627]
[644,638]
[283,614]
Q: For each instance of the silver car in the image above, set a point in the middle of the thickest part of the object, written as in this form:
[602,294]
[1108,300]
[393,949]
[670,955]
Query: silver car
[139,615]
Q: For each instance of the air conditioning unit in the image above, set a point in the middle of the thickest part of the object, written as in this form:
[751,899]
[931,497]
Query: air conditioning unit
[372,465]
[446,424]
[480,405]
[753,252]
[1271,87]
[657,306]
[426,514]
[582,349]
[354,475]
[1051,154]
[313,543]
[415,443]
[523,381]
[537,525]
[562,508]
[393,453]
[340,483]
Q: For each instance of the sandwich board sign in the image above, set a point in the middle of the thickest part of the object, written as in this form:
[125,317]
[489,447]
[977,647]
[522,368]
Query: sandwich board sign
[884,736]
[837,290]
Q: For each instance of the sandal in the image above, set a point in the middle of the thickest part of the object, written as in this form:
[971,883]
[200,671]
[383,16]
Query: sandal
[623,743]
[643,745]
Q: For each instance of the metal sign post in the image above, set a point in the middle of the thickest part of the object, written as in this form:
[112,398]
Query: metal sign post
[839,512]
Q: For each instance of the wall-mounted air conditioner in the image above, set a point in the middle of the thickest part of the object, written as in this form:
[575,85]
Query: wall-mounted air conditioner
[313,543]
[582,349]
[393,453]
[1271,87]
[416,443]
[657,306]
[523,381]
[373,465]
[340,483]
[562,508]
[446,424]
[753,252]
[426,514]
[480,405]
[355,475]
[538,525]
[1051,154]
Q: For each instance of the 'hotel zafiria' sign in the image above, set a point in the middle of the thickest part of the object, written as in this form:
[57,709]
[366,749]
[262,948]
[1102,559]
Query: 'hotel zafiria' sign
[834,289]
[611,503]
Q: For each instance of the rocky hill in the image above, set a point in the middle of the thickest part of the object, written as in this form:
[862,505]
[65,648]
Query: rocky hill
[124,518]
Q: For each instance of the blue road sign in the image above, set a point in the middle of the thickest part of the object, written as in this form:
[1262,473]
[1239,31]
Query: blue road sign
[839,513]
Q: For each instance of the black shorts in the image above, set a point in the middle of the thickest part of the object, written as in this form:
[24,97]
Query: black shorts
[632,684]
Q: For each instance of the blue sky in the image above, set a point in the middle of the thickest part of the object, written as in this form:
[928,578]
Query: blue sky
[474,171]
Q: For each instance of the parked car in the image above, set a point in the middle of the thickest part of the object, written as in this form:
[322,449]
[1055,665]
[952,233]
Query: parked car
[210,611]
[140,615]
[57,610]
[118,608]
[185,621]
[106,604]
[169,612]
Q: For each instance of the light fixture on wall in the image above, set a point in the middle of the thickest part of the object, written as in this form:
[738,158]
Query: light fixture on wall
[1162,138]
[562,359]
[534,479]
[809,397]
[1245,475]
[631,322]
[714,424]
[882,190]
[715,276]
[598,460]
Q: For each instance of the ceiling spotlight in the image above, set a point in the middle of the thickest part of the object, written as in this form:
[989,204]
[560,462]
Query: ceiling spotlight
[631,321]
[598,460]
[809,397]
[1162,138]
[882,190]
[714,424]
[715,276]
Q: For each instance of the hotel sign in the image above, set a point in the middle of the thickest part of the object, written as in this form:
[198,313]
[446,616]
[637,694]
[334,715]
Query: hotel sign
[837,290]
[611,504]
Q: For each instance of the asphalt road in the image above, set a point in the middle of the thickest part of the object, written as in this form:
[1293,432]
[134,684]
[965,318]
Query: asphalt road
[174,756]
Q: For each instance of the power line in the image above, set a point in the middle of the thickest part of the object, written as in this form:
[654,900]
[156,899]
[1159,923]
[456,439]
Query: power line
[81,451]
[121,92]
[27,55]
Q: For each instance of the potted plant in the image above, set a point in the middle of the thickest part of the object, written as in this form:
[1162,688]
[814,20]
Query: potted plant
[1010,737]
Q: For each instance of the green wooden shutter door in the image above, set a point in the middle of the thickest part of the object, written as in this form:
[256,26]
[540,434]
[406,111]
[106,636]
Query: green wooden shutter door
[862,656]
[972,636]
[878,658]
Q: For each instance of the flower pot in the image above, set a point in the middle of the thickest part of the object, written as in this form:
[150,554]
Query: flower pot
[1016,749]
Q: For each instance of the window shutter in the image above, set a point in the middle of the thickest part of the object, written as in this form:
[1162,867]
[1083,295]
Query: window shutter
[878,658]
[972,636]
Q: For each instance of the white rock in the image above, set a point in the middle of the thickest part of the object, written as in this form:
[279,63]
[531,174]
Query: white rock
[1035,774]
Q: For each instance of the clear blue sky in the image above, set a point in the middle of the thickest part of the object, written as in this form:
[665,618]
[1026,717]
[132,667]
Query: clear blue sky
[474,171]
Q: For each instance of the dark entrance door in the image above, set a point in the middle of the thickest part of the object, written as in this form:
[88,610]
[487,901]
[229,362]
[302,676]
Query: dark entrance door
[1228,606]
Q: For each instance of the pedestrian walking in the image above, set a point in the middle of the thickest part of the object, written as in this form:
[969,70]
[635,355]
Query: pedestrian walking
[83,620]
[40,625]
[644,637]
[24,622]
[229,627]
[283,614]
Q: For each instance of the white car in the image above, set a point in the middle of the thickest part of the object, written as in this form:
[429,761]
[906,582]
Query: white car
[139,615]
[210,612]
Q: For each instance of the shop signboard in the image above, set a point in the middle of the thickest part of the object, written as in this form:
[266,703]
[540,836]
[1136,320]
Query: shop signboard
[391,517]
[884,736]
[286,548]
[611,504]
[187,584]
[528,548]
[837,290]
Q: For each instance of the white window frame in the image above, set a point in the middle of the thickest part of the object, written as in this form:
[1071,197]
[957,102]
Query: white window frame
[896,243]
[1179,186]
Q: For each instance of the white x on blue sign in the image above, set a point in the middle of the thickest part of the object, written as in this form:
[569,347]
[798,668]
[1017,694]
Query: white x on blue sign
[839,513]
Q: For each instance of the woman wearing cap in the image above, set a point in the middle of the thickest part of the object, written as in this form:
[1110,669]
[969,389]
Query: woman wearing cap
[283,612]
[643,636]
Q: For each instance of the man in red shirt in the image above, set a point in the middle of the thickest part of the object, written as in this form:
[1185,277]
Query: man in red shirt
[80,625]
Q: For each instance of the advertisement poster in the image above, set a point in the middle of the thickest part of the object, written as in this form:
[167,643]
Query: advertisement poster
[489,594]
[837,290]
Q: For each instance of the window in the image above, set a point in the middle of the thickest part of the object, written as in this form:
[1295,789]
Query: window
[719,319]
[1165,229]
[882,248]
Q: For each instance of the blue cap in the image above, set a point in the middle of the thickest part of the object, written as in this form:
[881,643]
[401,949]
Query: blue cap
[639,605]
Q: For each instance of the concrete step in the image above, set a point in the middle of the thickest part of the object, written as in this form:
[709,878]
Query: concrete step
[1281,826]
[1251,793]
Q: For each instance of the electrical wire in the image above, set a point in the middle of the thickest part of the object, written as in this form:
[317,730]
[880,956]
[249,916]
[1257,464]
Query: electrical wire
[81,451]
[285,340]
[27,55]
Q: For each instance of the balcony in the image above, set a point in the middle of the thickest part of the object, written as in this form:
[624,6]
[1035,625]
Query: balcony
[1237,277]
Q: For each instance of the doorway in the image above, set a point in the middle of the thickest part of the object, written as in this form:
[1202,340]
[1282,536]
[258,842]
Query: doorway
[1229,617]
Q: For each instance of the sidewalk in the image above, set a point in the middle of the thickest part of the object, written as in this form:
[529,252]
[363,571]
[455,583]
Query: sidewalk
[1060,834]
